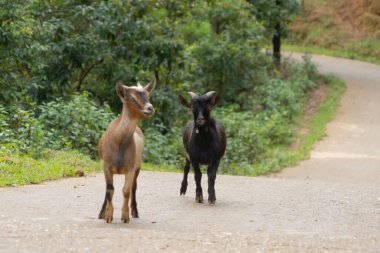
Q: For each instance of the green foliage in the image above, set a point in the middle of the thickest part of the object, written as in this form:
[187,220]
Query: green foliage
[56,53]
[75,124]
[21,131]
[255,136]
[161,148]
[273,12]
[250,136]
[286,95]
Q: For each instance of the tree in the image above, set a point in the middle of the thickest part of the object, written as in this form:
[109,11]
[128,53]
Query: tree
[275,15]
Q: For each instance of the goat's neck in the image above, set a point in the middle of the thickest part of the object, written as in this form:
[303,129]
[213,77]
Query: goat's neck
[202,134]
[127,126]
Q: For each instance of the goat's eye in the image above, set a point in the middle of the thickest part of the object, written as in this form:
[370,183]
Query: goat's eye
[131,98]
[133,101]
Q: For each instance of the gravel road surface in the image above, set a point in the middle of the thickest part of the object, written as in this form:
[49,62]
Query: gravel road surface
[329,203]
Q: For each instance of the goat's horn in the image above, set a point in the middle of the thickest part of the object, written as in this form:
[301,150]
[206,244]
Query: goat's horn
[139,84]
[192,94]
[211,94]
[150,86]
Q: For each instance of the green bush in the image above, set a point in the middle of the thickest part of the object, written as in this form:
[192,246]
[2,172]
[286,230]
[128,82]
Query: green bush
[75,124]
[250,136]
[161,149]
[21,131]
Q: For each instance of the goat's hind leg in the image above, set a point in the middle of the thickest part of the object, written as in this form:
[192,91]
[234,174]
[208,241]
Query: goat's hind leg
[106,212]
[134,211]
[184,181]
[126,193]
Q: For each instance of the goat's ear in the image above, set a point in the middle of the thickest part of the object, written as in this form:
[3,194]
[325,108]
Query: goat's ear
[216,97]
[150,86]
[184,102]
[121,91]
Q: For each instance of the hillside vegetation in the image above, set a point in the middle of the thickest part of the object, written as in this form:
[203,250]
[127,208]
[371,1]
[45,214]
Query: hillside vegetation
[349,28]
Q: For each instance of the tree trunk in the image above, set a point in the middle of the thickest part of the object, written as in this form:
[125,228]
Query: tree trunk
[276,39]
[156,75]
[276,42]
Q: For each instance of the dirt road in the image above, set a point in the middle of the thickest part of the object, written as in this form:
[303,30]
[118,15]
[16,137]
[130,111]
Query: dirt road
[330,203]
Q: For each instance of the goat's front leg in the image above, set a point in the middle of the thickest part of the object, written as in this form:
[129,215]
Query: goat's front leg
[106,212]
[198,178]
[134,211]
[211,173]
[126,193]
[184,181]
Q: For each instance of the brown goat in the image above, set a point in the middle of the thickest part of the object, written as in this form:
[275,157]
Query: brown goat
[121,147]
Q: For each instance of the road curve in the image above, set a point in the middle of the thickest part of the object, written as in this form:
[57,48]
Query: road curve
[350,152]
[329,203]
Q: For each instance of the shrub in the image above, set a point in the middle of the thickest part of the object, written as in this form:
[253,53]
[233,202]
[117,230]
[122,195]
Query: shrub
[250,137]
[75,124]
[162,148]
[21,131]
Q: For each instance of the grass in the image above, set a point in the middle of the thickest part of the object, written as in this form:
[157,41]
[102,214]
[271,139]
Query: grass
[349,54]
[23,169]
[317,126]
[161,167]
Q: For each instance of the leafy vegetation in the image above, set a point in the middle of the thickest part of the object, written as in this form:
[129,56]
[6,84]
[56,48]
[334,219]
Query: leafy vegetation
[76,124]
[61,60]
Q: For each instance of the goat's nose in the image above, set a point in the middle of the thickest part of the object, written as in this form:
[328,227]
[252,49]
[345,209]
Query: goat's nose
[149,108]
[201,120]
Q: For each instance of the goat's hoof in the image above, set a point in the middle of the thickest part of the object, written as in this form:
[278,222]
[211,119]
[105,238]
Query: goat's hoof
[125,220]
[135,213]
[211,199]
[125,216]
[108,219]
[199,199]
[108,214]
[183,189]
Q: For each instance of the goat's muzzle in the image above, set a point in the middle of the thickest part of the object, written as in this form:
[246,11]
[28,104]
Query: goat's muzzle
[148,110]
[200,121]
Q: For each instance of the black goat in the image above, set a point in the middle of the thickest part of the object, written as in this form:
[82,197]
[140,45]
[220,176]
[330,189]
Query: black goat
[204,141]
